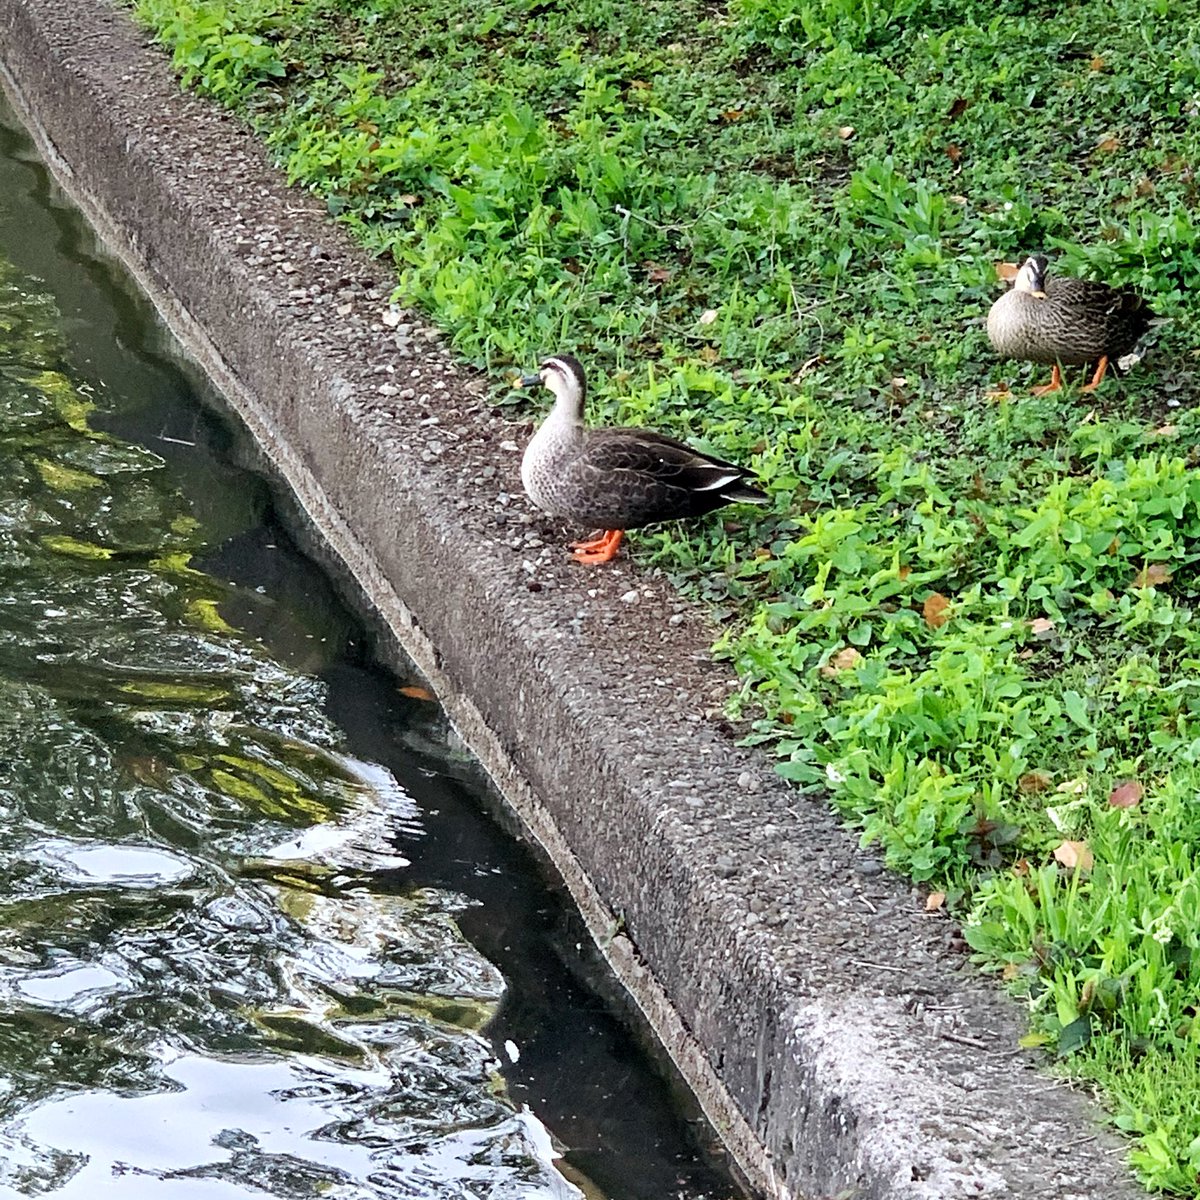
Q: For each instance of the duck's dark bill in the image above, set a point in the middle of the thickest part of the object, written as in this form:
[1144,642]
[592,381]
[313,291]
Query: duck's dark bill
[529,381]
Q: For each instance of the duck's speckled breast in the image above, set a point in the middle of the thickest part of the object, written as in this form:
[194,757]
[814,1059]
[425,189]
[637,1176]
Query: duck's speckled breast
[1014,328]
[544,464]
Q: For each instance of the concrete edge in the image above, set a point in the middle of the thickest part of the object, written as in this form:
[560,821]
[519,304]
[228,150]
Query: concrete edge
[819,1017]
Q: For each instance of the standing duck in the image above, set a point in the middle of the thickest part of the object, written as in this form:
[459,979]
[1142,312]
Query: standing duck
[1065,322]
[617,479]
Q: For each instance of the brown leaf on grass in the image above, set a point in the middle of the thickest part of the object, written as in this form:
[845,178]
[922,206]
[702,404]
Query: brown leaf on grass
[1127,794]
[1113,546]
[844,660]
[1165,431]
[1006,271]
[845,132]
[733,114]
[1097,64]
[904,572]
[656,273]
[935,610]
[1041,627]
[708,354]
[414,692]
[1033,782]
[934,901]
[1075,856]
[1010,972]
[1108,145]
[959,107]
[640,84]
[1143,187]
[1152,575]
[953,152]
[707,317]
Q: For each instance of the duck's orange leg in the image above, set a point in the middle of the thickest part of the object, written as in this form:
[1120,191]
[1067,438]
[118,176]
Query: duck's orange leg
[599,550]
[1055,384]
[1101,367]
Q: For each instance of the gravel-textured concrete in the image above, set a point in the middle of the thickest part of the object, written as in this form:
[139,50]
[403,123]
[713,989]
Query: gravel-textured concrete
[829,1026]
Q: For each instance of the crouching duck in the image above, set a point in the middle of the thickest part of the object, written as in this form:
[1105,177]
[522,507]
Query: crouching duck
[1065,322]
[617,479]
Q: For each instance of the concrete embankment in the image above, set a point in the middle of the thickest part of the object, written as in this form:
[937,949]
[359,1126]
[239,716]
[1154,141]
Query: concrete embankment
[829,1027]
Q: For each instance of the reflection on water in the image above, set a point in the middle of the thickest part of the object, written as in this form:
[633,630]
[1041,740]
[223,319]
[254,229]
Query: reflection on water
[207,989]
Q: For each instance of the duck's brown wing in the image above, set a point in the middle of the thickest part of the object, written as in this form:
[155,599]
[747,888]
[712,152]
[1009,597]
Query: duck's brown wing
[1089,319]
[626,478]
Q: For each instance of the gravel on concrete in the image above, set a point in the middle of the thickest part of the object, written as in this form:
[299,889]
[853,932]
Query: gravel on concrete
[831,1028]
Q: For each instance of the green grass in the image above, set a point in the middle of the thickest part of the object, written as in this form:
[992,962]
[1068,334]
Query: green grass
[772,228]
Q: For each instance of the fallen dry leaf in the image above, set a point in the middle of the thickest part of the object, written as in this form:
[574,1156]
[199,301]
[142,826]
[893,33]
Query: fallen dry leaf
[1097,64]
[1041,626]
[708,354]
[934,901]
[1072,787]
[415,692]
[1167,430]
[844,660]
[1152,575]
[733,114]
[956,199]
[1108,145]
[904,572]
[1033,782]
[953,152]
[845,132]
[707,317]
[656,273]
[1144,187]
[936,610]
[1010,972]
[1075,856]
[1127,794]
[1007,271]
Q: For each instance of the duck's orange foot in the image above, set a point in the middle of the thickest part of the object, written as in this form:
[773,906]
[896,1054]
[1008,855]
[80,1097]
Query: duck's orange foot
[1055,384]
[599,550]
[1101,367]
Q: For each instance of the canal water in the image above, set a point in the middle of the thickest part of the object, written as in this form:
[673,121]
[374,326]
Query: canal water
[258,935]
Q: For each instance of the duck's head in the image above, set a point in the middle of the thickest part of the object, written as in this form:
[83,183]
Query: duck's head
[563,375]
[1031,277]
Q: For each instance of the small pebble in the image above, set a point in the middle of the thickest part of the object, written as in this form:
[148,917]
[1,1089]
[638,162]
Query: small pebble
[630,597]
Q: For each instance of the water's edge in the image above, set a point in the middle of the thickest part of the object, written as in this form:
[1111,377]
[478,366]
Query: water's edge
[361,698]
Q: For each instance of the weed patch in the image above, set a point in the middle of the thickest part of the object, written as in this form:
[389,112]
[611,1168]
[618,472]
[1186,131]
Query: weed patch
[968,616]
